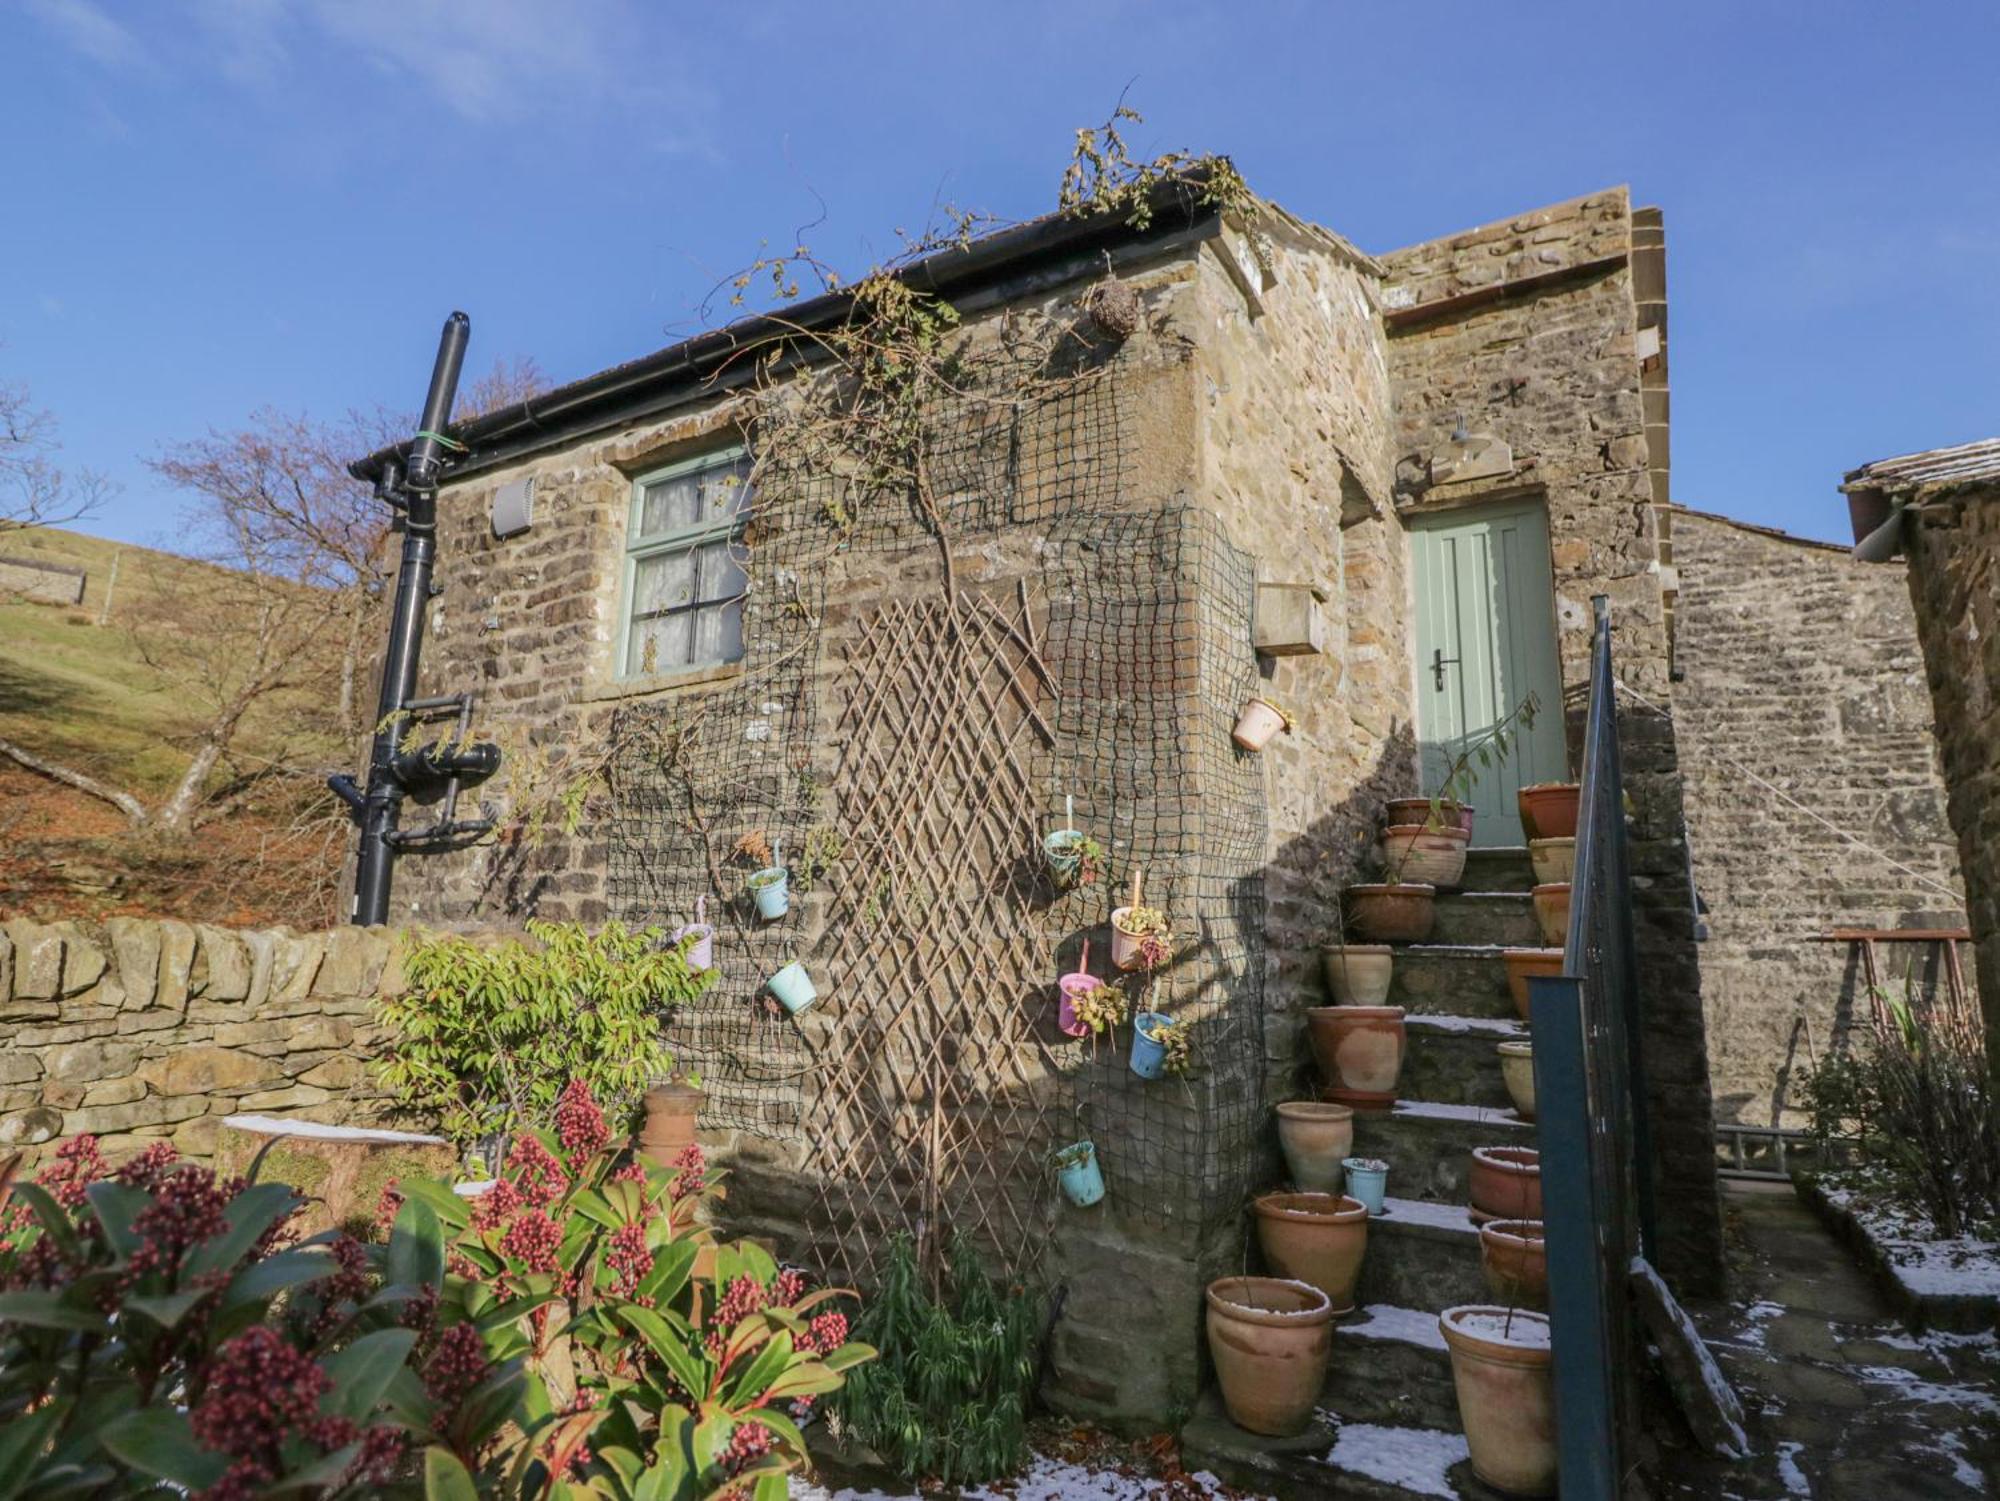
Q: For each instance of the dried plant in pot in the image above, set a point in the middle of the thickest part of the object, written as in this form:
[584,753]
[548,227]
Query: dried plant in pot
[1072,856]
[1078,1173]
[1435,857]
[1391,913]
[1261,719]
[1073,987]
[1269,1338]
[1099,1009]
[1316,1238]
[1162,1046]
[1430,812]
[1142,937]
[770,889]
[1502,1372]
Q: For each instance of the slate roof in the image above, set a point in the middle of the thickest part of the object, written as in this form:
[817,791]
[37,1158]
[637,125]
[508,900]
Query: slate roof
[1967,464]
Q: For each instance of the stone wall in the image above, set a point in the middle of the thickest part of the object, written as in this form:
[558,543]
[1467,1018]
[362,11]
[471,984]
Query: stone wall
[1954,553]
[1528,329]
[1801,667]
[138,1030]
[44,583]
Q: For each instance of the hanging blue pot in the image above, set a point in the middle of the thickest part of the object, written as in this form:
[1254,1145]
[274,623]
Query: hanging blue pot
[1064,851]
[1081,1178]
[772,889]
[1367,1180]
[794,989]
[1148,1055]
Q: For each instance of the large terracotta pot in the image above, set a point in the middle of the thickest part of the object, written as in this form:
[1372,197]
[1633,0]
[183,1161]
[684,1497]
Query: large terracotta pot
[1500,1366]
[1392,914]
[670,1121]
[1505,1184]
[1552,912]
[1315,1136]
[1413,853]
[1269,1339]
[1515,1262]
[1548,810]
[1360,1052]
[1517,1071]
[1358,974]
[1317,1239]
[1417,810]
[1553,859]
[1523,965]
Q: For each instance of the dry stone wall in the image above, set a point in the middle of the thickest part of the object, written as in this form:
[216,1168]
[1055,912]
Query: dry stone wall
[1800,667]
[140,1029]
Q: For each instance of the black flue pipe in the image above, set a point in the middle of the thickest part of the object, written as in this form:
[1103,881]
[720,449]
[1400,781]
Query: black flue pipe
[414,490]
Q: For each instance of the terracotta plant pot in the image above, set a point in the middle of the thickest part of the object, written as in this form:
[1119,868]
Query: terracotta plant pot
[1417,810]
[1317,1239]
[1553,859]
[1517,1068]
[1552,912]
[1360,1052]
[1505,1184]
[1269,1339]
[1522,966]
[1515,1262]
[1501,1368]
[1258,722]
[670,1120]
[1392,914]
[1411,852]
[1315,1136]
[1548,810]
[1358,974]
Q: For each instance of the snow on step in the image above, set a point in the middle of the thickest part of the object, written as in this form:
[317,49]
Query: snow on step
[1467,1026]
[1044,1479]
[1403,1326]
[1472,1115]
[1453,1217]
[1417,1459]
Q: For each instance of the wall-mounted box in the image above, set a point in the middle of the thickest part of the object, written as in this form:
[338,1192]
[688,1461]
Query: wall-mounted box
[1289,621]
[514,507]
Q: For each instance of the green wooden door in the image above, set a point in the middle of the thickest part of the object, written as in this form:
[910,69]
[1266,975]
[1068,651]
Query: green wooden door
[1486,639]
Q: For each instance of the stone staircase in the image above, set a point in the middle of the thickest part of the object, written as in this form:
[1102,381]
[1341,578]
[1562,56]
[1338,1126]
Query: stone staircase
[1388,1424]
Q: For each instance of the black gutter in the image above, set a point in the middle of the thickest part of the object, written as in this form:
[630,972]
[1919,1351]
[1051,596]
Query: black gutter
[611,397]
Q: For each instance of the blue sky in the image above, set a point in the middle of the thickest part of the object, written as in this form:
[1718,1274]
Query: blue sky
[219,204]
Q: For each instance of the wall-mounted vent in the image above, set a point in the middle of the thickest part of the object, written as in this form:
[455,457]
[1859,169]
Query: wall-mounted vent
[513,508]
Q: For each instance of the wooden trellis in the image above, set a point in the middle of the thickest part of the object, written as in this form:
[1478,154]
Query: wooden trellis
[937,1102]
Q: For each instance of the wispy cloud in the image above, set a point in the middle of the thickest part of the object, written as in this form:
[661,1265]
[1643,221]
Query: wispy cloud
[85,28]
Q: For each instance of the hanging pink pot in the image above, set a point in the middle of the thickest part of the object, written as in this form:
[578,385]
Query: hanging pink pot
[1258,722]
[1079,982]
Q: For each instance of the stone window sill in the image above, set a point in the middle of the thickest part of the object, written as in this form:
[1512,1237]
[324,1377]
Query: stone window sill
[664,682]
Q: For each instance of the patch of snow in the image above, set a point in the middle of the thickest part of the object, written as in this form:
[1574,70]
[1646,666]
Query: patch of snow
[1417,1459]
[1755,1316]
[1466,1026]
[1478,1115]
[1914,1388]
[1423,1212]
[1456,950]
[1935,1342]
[1385,1321]
[1789,1472]
[1963,1470]
[1044,1479]
[274,1125]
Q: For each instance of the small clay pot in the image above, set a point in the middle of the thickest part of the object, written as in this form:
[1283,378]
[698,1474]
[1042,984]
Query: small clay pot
[1552,912]
[1502,1371]
[1315,1136]
[1358,973]
[1548,810]
[1258,722]
[1401,913]
[1517,1069]
[1553,859]
[671,1110]
[1417,810]
[1411,852]
[1505,1184]
[1316,1238]
[1522,966]
[1269,1339]
[1516,1262]
[1360,1052]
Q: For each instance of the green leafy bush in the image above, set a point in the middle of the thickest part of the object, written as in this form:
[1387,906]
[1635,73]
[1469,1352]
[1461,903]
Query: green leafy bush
[948,1399]
[486,1036]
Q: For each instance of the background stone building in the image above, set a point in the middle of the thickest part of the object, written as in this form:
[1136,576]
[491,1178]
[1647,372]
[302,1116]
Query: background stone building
[905,719]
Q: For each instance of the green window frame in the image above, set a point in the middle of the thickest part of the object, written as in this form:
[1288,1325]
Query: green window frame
[681,602]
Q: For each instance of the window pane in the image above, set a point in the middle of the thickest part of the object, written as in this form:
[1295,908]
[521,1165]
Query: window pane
[661,582]
[722,577]
[718,633]
[669,504]
[726,491]
[659,645]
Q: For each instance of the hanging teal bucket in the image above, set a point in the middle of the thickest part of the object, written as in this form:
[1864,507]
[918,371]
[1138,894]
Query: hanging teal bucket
[794,989]
[1148,1055]
[1367,1180]
[1064,851]
[772,889]
[1081,1178]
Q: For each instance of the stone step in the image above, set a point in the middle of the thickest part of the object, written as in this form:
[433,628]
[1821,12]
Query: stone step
[1390,1366]
[1452,1059]
[1422,1255]
[1428,1146]
[1497,867]
[1451,979]
[1346,1461]
[1506,918]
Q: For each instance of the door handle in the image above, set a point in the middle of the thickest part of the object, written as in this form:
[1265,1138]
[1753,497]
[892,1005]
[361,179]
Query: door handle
[1439,662]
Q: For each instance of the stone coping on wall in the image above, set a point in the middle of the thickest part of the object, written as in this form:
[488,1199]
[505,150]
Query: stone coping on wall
[1950,1284]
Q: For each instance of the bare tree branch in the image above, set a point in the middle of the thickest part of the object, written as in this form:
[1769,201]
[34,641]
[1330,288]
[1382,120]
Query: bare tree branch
[127,804]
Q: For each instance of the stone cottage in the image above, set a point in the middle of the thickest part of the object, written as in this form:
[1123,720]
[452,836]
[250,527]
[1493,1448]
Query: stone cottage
[1215,452]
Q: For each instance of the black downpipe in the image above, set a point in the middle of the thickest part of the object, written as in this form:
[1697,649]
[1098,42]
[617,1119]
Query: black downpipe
[415,493]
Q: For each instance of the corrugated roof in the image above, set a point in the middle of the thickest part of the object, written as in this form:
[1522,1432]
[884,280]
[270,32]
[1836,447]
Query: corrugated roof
[1967,464]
